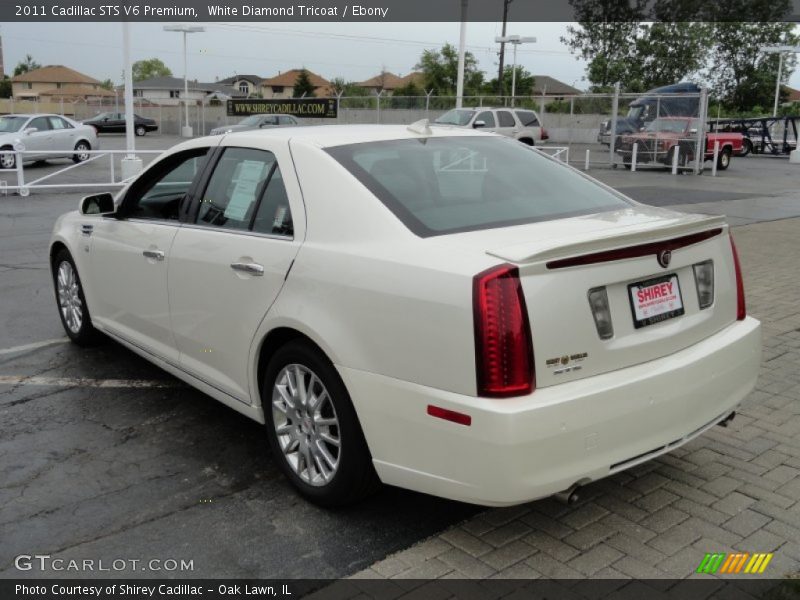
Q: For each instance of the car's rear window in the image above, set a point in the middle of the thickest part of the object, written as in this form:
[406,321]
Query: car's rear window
[451,184]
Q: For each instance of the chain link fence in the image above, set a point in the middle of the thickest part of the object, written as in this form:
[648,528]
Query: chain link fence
[635,131]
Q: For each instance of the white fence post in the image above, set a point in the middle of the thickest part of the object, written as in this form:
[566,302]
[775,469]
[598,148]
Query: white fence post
[716,156]
[614,114]
[633,156]
[586,165]
[675,156]
[23,191]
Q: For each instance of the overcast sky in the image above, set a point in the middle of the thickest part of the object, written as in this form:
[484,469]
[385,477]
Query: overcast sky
[355,51]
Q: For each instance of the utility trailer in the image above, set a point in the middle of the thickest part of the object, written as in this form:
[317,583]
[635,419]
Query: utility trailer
[762,135]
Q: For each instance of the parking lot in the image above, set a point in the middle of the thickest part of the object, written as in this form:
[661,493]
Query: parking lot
[104,455]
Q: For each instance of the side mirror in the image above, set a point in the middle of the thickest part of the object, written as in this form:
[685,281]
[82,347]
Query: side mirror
[479,124]
[31,130]
[97,204]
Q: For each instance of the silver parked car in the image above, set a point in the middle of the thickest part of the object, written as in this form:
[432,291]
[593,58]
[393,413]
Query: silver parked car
[258,122]
[44,133]
[521,124]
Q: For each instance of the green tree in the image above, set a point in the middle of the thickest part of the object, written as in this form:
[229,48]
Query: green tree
[303,88]
[668,52]
[523,86]
[440,71]
[338,85]
[740,74]
[605,37]
[149,68]
[28,64]
[5,87]
[107,85]
[408,90]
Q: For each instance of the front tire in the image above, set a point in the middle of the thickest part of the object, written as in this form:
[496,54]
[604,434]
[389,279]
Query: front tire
[140,130]
[313,429]
[747,147]
[8,160]
[71,302]
[81,152]
[724,159]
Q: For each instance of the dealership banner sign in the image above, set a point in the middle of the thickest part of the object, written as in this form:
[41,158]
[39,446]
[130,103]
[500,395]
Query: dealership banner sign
[309,108]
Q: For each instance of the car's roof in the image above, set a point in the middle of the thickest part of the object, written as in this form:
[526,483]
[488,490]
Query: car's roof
[325,136]
[31,115]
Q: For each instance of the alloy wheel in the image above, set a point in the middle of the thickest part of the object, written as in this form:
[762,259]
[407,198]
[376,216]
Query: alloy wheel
[69,299]
[306,425]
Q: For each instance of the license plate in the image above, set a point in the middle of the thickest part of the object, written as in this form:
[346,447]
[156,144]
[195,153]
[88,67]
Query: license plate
[655,300]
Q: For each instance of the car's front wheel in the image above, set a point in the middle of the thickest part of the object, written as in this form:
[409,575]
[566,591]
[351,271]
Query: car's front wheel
[313,429]
[82,149]
[8,160]
[71,302]
[140,130]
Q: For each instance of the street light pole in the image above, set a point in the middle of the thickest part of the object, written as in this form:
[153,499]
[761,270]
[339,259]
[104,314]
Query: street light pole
[779,50]
[186,130]
[462,43]
[130,164]
[515,40]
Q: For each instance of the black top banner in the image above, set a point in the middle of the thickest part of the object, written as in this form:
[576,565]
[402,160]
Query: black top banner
[397,10]
[309,108]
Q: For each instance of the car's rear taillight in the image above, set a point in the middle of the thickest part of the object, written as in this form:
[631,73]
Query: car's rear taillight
[503,346]
[545,135]
[741,309]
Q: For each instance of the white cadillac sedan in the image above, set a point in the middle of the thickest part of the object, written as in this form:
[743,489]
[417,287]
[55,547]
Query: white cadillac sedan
[442,310]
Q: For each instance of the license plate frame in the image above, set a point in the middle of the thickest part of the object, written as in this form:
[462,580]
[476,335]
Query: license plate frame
[647,320]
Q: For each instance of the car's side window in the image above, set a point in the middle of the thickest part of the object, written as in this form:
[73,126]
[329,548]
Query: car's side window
[287,121]
[58,123]
[234,189]
[270,121]
[41,124]
[527,118]
[273,215]
[506,118]
[487,117]
[159,193]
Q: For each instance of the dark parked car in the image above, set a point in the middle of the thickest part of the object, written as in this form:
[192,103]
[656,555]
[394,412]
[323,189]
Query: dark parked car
[113,122]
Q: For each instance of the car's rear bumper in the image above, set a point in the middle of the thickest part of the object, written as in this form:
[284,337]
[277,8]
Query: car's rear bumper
[520,449]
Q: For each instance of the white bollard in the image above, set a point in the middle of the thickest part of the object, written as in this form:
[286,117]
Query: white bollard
[716,156]
[794,157]
[586,166]
[675,160]
[633,156]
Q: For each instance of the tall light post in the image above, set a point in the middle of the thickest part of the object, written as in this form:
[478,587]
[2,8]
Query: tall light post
[514,40]
[462,46]
[780,51]
[130,164]
[186,130]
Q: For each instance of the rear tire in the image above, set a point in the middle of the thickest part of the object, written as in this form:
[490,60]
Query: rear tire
[724,159]
[527,141]
[313,429]
[71,302]
[747,147]
[81,149]
[140,130]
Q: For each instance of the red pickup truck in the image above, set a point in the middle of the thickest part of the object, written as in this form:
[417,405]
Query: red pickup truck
[658,141]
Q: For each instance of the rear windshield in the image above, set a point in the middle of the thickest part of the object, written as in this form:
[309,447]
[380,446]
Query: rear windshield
[452,184]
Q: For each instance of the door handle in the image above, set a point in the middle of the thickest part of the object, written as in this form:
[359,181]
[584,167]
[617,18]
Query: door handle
[249,268]
[154,254]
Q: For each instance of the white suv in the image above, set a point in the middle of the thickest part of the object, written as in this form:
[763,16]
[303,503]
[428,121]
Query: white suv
[517,123]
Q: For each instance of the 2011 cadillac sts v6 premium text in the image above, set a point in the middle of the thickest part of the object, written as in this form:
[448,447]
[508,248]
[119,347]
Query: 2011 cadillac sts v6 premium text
[447,311]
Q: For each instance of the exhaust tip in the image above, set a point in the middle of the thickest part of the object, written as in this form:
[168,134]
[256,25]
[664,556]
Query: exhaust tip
[569,496]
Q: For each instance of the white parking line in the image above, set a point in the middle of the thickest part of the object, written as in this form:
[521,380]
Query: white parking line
[85,382]
[33,346]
